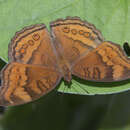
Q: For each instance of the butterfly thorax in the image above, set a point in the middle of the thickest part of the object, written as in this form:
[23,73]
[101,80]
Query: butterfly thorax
[64,67]
[63,64]
[65,70]
[66,73]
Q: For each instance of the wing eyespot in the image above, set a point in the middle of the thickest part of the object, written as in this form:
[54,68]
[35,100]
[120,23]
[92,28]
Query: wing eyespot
[36,36]
[31,42]
[66,29]
[25,46]
[81,32]
[86,34]
[74,31]
[22,51]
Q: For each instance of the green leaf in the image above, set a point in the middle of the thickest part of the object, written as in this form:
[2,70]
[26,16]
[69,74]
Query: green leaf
[110,17]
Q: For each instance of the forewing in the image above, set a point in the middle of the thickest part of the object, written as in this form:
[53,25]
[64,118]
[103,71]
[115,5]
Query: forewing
[75,38]
[23,83]
[32,45]
[106,63]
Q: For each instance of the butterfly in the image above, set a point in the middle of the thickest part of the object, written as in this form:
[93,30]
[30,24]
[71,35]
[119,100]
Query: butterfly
[38,59]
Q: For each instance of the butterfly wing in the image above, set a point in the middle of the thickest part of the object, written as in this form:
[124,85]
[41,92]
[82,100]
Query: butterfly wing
[32,45]
[22,83]
[106,63]
[74,38]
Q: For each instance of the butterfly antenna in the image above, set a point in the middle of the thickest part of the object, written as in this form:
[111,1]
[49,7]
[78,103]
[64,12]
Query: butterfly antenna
[80,86]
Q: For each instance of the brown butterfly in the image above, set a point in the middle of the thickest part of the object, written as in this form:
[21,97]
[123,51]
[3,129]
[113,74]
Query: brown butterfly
[39,59]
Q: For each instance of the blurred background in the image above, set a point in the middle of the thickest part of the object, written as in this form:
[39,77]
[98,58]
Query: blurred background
[61,111]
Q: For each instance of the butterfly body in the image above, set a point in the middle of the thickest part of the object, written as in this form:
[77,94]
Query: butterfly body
[38,59]
[65,70]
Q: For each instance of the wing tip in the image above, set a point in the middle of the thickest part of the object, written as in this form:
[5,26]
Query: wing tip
[18,33]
